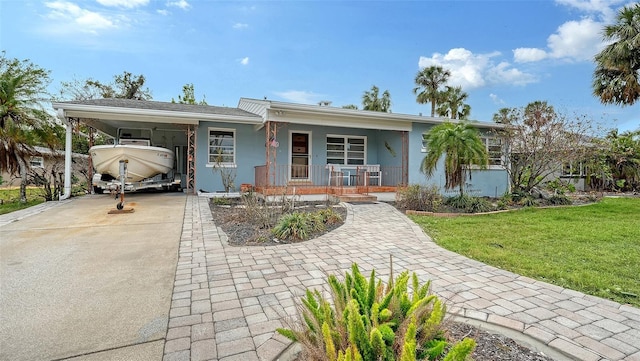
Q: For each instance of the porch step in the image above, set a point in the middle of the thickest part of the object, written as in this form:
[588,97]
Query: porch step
[353,198]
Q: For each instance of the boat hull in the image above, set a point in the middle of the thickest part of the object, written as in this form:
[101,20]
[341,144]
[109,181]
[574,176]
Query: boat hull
[142,161]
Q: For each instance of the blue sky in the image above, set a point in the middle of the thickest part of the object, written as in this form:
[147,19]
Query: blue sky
[503,53]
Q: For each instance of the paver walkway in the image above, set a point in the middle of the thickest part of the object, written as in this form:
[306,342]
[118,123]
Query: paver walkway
[227,301]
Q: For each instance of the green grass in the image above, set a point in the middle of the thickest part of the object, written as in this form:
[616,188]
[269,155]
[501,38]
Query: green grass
[593,249]
[11,199]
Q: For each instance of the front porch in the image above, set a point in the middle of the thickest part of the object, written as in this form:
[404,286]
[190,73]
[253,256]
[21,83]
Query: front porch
[347,183]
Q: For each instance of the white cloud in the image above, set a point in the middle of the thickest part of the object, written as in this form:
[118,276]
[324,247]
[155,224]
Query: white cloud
[244,61]
[300,96]
[163,12]
[576,40]
[240,26]
[504,73]
[601,8]
[124,3]
[496,99]
[525,55]
[69,17]
[182,4]
[472,71]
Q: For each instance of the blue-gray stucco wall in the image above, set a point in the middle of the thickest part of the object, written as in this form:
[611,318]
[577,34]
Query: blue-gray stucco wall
[250,152]
[483,182]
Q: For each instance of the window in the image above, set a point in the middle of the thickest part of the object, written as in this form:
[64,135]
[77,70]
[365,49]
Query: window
[36,162]
[573,169]
[222,147]
[494,147]
[494,150]
[346,150]
[424,143]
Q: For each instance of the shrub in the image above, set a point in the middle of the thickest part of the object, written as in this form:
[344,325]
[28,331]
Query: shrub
[560,187]
[419,198]
[297,226]
[329,216]
[367,320]
[469,204]
[527,201]
[221,201]
[560,200]
[257,211]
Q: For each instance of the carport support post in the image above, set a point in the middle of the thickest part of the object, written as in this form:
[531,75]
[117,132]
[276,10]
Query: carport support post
[67,156]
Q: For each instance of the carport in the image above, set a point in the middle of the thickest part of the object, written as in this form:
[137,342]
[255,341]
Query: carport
[173,125]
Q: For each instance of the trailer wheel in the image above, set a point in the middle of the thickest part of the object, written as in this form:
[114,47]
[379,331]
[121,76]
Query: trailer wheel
[98,190]
[119,206]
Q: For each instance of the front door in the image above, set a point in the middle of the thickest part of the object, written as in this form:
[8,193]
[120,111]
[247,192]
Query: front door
[300,155]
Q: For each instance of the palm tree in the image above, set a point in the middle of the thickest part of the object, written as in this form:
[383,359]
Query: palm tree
[452,103]
[370,100]
[616,79]
[429,81]
[505,116]
[189,96]
[23,120]
[462,147]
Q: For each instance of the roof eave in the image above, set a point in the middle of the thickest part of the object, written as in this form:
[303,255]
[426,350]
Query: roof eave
[118,113]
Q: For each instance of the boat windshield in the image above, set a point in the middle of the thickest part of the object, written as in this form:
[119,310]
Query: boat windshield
[143,142]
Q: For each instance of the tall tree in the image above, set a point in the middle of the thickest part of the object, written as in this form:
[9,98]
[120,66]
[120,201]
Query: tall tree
[504,116]
[429,83]
[188,96]
[452,103]
[124,86]
[462,148]
[540,140]
[23,120]
[371,100]
[616,79]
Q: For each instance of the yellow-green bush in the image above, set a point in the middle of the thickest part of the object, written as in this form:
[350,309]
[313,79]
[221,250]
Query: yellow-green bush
[367,320]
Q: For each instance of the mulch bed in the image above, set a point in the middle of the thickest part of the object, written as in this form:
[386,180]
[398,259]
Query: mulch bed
[244,228]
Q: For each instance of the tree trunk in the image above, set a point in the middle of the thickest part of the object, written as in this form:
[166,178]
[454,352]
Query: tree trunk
[23,180]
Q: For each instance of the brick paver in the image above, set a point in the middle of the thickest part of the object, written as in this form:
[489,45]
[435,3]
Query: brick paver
[248,292]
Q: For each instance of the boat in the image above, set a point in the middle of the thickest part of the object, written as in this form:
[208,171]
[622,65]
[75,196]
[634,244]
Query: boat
[143,160]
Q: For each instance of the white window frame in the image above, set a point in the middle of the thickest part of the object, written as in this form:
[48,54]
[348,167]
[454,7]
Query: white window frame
[36,162]
[423,147]
[486,140]
[211,164]
[573,172]
[345,151]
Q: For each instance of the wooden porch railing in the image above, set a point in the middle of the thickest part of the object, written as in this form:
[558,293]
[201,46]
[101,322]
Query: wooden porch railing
[325,179]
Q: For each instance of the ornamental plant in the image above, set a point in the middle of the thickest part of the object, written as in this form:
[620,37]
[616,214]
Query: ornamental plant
[370,321]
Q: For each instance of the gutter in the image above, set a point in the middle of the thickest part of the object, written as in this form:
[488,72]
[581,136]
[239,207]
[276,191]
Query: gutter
[116,113]
[67,156]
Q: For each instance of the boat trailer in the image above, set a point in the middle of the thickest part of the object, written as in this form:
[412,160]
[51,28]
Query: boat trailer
[121,190]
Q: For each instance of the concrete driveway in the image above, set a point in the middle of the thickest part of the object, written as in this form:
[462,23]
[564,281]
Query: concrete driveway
[76,282]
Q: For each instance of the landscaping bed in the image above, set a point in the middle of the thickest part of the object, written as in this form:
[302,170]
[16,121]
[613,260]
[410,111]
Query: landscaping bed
[250,222]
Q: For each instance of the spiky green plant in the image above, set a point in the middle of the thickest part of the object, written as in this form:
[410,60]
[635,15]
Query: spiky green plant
[329,216]
[370,321]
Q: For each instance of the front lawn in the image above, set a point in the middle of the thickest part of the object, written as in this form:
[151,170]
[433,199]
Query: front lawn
[593,249]
[10,199]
